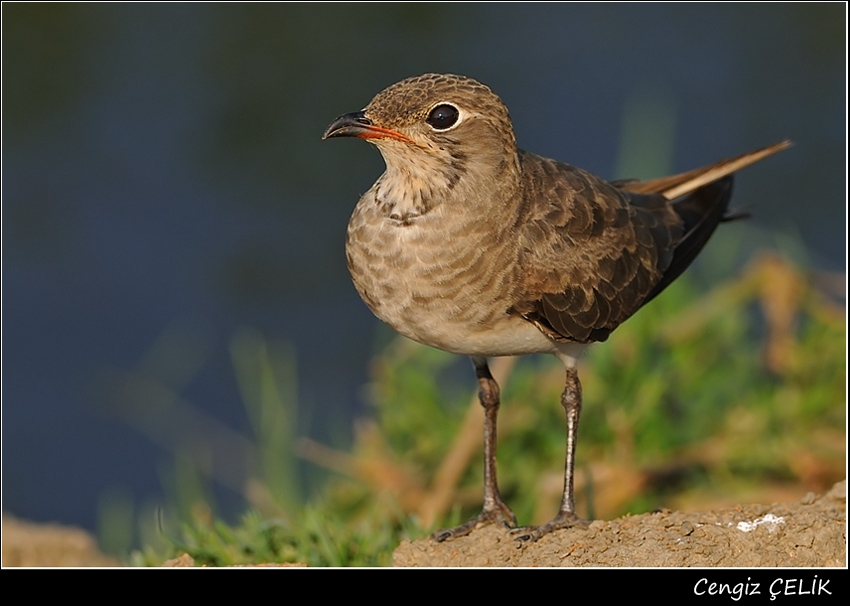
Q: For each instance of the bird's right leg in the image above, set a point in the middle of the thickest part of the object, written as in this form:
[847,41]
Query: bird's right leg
[495,509]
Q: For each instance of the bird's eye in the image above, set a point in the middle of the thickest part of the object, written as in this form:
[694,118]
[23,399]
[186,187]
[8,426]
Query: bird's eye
[443,117]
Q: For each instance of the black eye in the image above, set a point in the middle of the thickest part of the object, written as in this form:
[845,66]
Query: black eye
[443,117]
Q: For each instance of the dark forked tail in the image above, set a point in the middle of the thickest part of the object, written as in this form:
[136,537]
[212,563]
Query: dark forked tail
[701,212]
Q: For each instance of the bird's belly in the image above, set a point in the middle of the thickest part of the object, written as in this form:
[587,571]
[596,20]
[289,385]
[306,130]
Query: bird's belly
[438,326]
[439,290]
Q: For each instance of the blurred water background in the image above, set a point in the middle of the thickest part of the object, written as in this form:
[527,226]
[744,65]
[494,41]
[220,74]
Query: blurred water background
[170,215]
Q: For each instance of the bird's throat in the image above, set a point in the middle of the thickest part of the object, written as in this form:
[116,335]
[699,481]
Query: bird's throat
[402,198]
[413,184]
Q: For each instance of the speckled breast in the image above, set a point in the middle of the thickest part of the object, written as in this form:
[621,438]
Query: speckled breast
[442,282]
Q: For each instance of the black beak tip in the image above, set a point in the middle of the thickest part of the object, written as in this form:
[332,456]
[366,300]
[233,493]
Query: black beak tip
[332,131]
[347,125]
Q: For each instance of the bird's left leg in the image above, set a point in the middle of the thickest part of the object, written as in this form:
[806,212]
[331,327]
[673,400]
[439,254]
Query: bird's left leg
[495,509]
[566,518]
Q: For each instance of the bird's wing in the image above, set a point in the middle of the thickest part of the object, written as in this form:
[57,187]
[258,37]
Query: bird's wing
[592,254]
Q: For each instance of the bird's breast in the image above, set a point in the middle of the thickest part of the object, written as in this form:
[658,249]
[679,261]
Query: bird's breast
[439,279]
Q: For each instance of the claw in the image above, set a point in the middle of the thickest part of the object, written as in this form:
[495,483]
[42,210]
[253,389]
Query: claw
[529,534]
[502,513]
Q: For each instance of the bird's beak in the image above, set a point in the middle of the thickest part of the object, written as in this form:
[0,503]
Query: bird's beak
[356,124]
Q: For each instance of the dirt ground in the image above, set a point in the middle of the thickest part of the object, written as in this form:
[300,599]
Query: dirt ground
[30,544]
[810,532]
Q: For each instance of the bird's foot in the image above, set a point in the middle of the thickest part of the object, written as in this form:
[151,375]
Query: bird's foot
[529,534]
[499,513]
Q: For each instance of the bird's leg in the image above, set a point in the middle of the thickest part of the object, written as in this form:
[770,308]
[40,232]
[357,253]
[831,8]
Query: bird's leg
[488,395]
[571,401]
[495,509]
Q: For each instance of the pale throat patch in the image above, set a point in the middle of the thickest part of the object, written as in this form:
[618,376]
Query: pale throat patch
[414,182]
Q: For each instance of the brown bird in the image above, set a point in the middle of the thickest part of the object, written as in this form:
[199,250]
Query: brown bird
[470,245]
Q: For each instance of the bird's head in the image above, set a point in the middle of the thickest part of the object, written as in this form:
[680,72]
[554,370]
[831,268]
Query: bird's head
[437,132]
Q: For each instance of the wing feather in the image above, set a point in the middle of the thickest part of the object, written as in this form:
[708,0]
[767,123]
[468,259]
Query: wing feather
[592,252]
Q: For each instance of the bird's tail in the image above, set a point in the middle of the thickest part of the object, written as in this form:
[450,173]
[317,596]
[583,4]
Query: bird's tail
[703,202]
[701,211]
[678,185]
